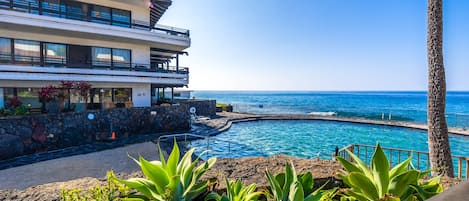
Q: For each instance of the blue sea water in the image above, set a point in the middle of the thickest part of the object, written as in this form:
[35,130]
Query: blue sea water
[405,106]
[310,139]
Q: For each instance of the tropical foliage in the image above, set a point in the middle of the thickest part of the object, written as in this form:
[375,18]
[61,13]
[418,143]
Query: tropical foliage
[289,186]
[236,191]
[402,182]
[170,179]
[113,190]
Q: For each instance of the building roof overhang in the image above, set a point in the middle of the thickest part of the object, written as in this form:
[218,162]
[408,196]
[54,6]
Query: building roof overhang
[157,9]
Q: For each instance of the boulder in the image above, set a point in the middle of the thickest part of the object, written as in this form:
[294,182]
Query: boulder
[10,146]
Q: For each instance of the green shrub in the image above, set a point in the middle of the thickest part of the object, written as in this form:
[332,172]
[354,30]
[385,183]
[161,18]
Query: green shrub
[112,191]
[236,191]
[289,186]
[222,105]
[402,182]
[171,179]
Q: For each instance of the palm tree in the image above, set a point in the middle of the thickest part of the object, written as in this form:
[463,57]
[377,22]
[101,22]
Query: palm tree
[438,143]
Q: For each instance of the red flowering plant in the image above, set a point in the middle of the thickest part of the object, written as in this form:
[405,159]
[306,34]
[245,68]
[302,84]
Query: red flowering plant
[46,95]
[14,102]
[83,89]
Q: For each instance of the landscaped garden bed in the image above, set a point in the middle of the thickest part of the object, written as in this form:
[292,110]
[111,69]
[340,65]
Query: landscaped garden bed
[248,170]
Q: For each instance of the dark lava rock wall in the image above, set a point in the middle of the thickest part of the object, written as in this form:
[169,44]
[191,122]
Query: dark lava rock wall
[22,135]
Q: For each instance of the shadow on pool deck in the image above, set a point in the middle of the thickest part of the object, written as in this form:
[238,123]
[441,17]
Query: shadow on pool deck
[86,165]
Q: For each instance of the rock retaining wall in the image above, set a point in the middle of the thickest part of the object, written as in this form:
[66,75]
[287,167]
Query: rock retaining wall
[203,107]
[40,133]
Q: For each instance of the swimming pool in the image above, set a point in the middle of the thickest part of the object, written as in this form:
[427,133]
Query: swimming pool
[312,138]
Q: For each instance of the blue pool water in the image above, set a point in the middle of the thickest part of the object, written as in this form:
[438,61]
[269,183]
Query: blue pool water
[309,139]
[405,106]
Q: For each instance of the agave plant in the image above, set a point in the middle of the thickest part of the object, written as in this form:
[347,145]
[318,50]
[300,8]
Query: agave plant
[171,179]
[236,191]
[403,182]
[289,186]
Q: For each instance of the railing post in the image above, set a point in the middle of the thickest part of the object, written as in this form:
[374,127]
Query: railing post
[366,154]
[467,168]
[358,151]
[418,160]
[398,156]
[390,158]
[459,167]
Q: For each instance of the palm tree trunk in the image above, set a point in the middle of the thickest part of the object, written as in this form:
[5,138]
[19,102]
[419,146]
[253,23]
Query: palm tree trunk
[438,143]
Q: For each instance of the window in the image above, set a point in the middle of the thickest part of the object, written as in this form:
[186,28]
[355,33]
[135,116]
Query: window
[53,8]
[27,51]
[121,58]
[29,6]
[55,53]
[101,57]
[5,49]
[29,97]
[120,18]
[77,10]
[122,95]
[101,14]
[4,3]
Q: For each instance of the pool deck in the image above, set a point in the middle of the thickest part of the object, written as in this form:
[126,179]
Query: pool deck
[224,120]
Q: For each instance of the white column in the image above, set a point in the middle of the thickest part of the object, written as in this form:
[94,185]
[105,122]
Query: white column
[141,95]
[2,103]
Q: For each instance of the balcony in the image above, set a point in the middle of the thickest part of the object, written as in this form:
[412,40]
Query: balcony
[74,11]
[36,68]
[70,16]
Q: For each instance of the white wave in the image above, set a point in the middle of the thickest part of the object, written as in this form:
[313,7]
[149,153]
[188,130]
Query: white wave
[323,113]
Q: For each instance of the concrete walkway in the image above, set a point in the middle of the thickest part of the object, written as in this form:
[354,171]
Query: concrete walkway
[87,165]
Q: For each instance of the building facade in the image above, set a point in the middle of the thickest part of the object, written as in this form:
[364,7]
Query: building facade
[115,45]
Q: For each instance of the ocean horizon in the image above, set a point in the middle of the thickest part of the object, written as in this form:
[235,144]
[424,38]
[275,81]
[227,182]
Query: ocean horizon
[410,106]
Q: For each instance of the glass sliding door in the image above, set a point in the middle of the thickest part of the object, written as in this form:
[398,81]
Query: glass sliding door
[5,50]
[53,8]
[121,58]
[79,56]
[120,17]
[101,14]
[27,6]
[5,4]
[27,51]
[55,54]
[122,95]
[77,10]
[101,57]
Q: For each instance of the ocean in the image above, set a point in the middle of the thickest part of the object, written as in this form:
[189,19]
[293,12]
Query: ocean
[401,106]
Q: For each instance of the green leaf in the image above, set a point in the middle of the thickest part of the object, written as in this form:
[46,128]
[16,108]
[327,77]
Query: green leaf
[399,184]
[155,173]
[160,152]
[141,185]
[380,170]
[307,182]
[350,167]
[366,186]
[296,192]
[360,164]
[400,168]
[277,191]
[213,196]
[173,160]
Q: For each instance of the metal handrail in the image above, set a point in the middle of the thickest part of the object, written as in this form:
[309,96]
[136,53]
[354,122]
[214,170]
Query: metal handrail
[110,65]
[39,8]
[207,138]
[462,161]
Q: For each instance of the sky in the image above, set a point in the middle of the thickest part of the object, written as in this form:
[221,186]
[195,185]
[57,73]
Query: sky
[317,45]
